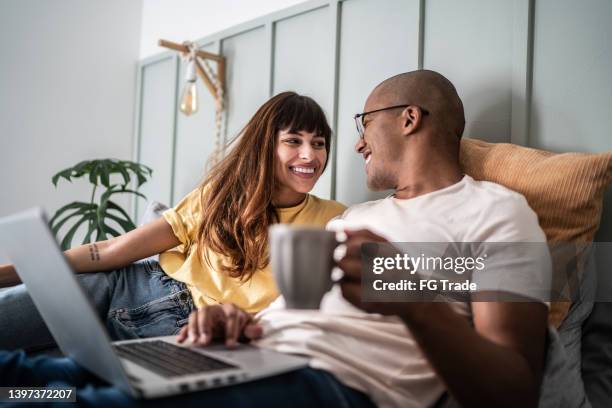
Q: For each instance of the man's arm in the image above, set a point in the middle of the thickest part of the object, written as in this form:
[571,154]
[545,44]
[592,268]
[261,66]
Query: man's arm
[496,362]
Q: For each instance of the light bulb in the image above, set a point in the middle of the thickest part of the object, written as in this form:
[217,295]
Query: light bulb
[189,98]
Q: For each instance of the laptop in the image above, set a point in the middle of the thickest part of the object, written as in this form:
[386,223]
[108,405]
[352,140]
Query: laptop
[144,368]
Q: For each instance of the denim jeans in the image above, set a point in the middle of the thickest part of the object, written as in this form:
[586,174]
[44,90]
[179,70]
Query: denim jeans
[137,301]
[303,388]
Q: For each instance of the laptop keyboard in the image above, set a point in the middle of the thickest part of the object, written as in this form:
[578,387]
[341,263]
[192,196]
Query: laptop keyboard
[169,360]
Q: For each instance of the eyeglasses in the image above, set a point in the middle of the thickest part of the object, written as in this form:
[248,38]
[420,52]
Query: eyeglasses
[360,116]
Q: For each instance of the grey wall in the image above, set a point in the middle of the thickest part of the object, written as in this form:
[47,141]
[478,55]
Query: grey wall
[532,72]
[572,72]
[307,67]
[67,85]
[158,109]
[366,57]
[471,43]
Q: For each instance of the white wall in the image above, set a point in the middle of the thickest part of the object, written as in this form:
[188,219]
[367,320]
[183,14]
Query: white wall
[181,20]
[67,81]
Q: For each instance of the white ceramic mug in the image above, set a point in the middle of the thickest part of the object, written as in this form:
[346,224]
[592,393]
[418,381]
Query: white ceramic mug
[302,260]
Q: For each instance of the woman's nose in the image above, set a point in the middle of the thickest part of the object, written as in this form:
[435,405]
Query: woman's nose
[306,152]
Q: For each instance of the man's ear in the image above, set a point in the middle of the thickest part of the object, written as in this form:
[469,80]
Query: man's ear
[411,119]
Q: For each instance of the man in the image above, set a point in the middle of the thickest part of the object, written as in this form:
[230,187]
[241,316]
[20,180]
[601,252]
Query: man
[403,354]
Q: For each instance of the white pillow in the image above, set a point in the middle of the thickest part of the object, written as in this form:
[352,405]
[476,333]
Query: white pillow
[154,211]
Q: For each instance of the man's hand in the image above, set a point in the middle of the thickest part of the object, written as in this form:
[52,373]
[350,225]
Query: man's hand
[352,265]
[225,321]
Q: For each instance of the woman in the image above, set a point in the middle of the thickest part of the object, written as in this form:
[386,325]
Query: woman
[213,244]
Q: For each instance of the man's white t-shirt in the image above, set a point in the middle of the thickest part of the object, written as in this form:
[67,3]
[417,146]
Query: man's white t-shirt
[377,354]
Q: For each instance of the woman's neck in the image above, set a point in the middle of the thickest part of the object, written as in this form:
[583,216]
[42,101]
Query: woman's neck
[287,198]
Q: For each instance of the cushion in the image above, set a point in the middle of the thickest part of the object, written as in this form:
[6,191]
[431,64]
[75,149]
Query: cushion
[154,211]
[597,330]
[597,355]
[561,385]
[564,189]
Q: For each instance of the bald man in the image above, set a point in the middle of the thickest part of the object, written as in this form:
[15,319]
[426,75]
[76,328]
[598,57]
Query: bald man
[397,354]
[492,353]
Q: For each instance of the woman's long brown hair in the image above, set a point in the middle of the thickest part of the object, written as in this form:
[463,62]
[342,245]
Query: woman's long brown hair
[236,195]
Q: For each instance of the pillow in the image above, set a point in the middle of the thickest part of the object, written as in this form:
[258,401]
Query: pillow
[154,211]
[565,190]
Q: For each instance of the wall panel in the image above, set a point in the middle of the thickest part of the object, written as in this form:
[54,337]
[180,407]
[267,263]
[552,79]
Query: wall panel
[303,62]
[157,114]
[247,71]
[470,42]
[388,46]
[572,96]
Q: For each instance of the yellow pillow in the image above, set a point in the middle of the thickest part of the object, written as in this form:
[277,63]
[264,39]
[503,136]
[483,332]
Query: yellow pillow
[565,190]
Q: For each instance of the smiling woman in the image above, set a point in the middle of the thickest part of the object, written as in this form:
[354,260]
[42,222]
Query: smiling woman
[301,157]
[278,158]
[212,243]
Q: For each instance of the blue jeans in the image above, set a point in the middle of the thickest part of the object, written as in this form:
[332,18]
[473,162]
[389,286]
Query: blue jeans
[137,301]
[303,388]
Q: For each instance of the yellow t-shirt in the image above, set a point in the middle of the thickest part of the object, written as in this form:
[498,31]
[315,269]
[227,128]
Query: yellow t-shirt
[211,286]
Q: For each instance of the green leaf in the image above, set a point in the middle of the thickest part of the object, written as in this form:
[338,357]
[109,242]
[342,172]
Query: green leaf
[108,193]
[93,175]
[141,179]
[101,234]
[140,171]
[124,173]
[92,227]
[86,210]
[81,168]
[72,205]
[101,211]
[64,174]
[104,172]
[100,220]
[113,206]
[100,172]
[127,225]
[126,190]
[111,231]
[61,222]
[104,197]
[70,234]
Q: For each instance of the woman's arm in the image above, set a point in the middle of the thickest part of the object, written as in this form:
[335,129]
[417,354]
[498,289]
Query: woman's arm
[142,242]
[8,276]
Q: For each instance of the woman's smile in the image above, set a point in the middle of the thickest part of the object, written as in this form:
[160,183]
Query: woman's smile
[306,172]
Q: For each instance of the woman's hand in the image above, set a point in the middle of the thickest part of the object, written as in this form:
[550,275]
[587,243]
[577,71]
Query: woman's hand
[226,321]
[8,276]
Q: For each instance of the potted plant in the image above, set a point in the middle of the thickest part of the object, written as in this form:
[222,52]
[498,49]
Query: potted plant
[96,215]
